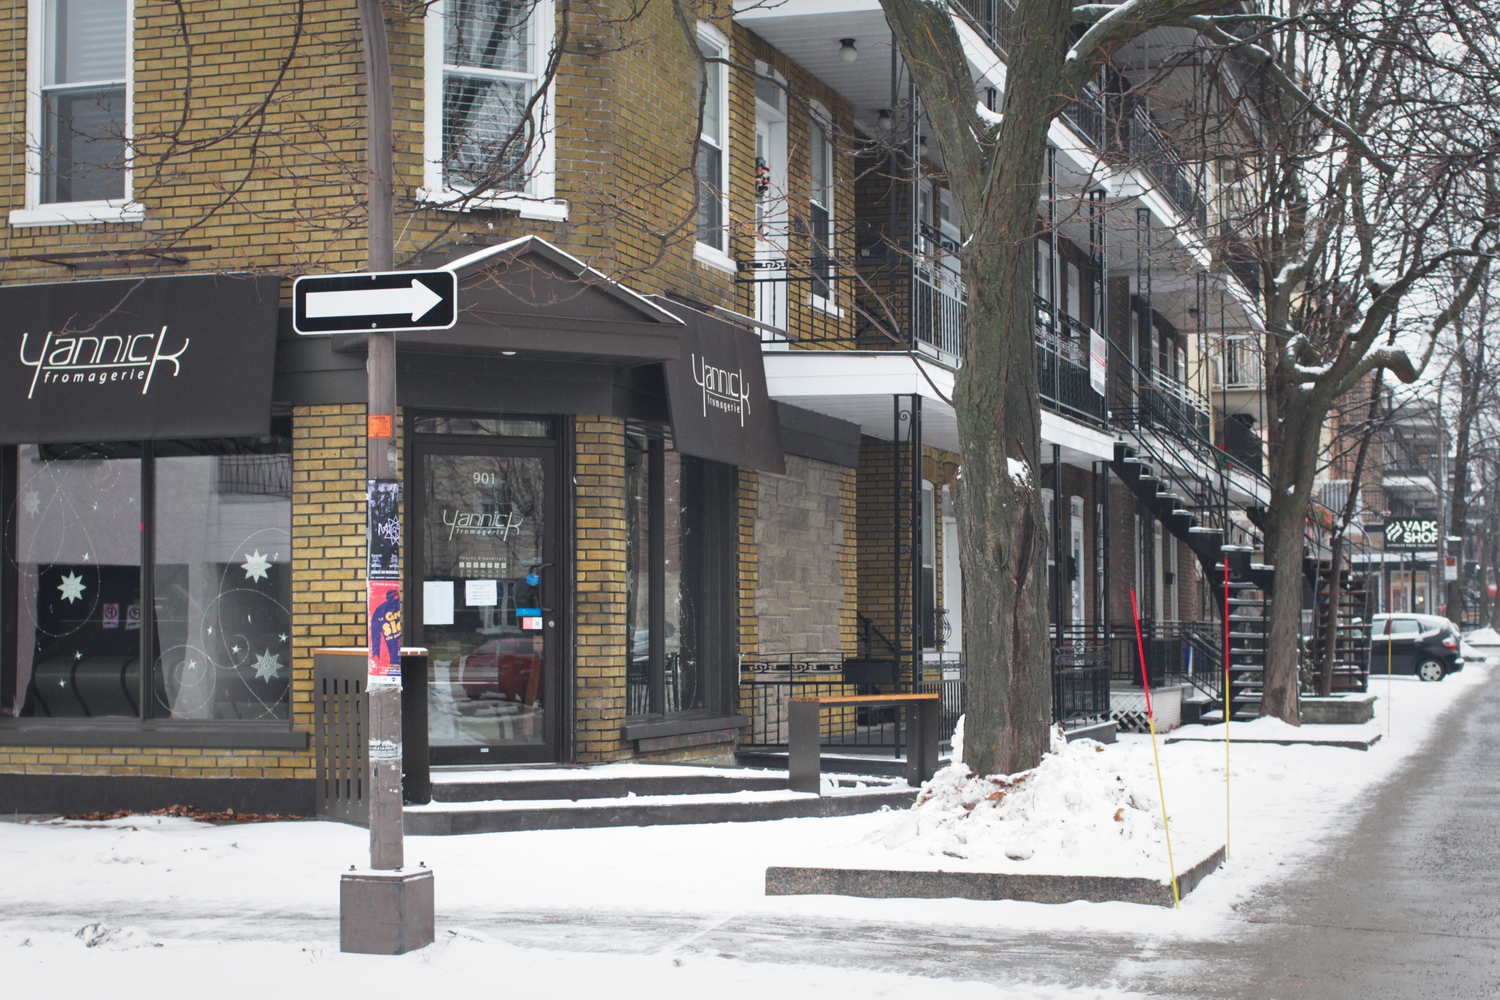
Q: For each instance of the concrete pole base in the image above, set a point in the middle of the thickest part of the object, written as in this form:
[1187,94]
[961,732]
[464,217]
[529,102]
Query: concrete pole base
[385,912]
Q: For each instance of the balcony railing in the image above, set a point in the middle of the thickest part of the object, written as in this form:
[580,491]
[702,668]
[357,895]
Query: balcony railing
[1087,113]
[1064,365]
[1240,364]
[1150,146]
[879,299]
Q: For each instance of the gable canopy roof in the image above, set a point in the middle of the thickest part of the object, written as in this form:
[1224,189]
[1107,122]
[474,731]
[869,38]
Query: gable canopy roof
[528,297]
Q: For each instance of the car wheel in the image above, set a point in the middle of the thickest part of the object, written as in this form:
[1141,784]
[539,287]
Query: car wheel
[1431,670]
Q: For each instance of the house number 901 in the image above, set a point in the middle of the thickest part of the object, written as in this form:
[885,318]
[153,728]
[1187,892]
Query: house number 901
[484,478]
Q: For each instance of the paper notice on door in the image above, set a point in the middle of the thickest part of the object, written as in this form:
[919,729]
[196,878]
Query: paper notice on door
[437,602]
[481,593]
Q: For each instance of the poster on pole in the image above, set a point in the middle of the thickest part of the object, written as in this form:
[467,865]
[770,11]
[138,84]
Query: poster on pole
[383,575]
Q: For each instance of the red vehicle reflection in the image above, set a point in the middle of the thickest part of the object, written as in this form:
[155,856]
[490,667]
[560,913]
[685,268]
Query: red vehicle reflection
[506,668]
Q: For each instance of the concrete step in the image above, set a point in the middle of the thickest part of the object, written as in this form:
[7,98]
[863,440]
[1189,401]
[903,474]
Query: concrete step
[851,796]
[606,781]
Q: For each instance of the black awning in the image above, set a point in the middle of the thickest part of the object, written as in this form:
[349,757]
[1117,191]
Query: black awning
[526,296]
[717,393]
[187,356]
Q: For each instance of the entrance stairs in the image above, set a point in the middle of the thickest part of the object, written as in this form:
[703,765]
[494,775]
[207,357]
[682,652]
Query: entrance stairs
[499,800]
[1195,511]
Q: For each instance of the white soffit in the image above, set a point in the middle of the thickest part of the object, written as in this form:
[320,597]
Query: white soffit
[858,387]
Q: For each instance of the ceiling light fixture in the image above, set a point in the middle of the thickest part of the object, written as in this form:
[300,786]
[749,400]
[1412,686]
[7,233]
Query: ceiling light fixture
[847,51]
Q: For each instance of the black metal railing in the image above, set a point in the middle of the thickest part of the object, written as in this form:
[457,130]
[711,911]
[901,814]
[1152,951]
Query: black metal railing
[1086,113]
[877,298]
[984,15]
[1080,678]
[1064,365]
[1176,652]
[1147,144]
[765,691]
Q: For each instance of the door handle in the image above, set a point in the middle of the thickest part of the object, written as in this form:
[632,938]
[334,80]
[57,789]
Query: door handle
[537,572]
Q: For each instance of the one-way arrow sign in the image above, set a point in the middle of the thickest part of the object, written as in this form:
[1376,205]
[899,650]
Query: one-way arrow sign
[381,300]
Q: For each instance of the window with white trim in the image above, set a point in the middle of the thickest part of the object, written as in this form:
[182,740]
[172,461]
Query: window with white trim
[713,143]
[820,205]
[79,103]
[487,136]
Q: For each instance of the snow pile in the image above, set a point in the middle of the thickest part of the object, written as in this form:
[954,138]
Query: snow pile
[101,935]
[1084,809]
[1482,644]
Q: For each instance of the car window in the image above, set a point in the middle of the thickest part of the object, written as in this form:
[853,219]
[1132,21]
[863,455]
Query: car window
[1397,627]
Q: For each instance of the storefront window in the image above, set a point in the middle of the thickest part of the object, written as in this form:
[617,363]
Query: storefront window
[678,518]
[215,621]
[76,574]
[223,585]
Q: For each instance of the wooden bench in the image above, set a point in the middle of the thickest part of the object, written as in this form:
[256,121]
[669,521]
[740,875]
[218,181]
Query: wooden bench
[805,743]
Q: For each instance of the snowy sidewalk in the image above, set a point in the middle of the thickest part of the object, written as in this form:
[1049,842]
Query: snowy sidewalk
[188,908]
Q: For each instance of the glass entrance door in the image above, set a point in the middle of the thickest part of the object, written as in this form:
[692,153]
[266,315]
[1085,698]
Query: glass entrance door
[487,598]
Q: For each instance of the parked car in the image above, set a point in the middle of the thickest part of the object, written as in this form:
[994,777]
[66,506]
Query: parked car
[506,668]
[1424,645]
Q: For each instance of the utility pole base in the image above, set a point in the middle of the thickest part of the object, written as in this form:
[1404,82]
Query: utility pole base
[385,913]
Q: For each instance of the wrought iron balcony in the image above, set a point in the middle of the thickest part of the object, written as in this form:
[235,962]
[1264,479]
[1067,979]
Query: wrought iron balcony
[1064,365]
[875,299]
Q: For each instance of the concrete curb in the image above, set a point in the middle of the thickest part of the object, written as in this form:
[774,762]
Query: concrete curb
[1344,744]
[885,884]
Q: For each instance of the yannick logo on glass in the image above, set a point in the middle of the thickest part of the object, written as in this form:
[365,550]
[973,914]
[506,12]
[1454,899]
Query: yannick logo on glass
[110,358]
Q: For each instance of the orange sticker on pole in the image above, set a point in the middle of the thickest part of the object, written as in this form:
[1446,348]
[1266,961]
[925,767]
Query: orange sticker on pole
[379,425]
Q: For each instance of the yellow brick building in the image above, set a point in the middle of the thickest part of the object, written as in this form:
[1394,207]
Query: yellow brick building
[660,216]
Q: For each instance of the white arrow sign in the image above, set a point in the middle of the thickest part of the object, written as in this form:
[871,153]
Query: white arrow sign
[416,300]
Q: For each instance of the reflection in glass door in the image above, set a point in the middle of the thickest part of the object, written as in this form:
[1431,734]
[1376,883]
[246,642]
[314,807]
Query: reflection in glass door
[487,599]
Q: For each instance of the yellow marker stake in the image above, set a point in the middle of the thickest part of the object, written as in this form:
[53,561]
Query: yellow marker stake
[1161,790]
[1388,678]
[1226,709]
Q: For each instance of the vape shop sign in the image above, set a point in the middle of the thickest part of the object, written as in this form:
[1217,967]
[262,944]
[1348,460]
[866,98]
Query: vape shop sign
[1412,533]
[172,357]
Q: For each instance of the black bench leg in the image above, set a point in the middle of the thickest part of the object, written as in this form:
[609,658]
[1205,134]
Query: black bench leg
[922,719]
[804,745]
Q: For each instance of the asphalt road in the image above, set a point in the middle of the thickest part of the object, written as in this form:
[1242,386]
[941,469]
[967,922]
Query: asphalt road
[1405,905]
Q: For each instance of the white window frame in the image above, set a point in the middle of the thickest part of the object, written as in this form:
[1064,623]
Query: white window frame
[538,199]
[67,213]
[706,253]
[818,116]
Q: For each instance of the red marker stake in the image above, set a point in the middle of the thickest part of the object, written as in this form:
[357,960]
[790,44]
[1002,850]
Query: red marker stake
[1161,791]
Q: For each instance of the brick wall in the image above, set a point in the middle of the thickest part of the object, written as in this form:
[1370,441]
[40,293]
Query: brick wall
[599,609]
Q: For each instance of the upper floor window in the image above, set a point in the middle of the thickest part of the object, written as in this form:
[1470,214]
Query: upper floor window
[820,205]
[713,141]
[487,131]
[78,111]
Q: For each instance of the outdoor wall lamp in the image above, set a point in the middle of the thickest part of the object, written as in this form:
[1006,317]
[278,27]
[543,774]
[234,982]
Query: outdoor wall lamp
[847,51]
[883,120]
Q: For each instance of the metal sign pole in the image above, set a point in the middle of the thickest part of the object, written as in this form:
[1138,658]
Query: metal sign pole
[383,911]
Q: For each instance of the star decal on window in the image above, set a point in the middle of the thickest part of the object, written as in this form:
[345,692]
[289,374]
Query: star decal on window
[256,566]
[267,666]
[72,587]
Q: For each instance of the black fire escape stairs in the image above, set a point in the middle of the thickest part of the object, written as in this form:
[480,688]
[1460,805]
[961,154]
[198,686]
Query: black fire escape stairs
[1195,511]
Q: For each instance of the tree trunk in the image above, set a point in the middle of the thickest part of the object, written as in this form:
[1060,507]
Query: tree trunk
[1002,535]
[1002,538]
[1295,437]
